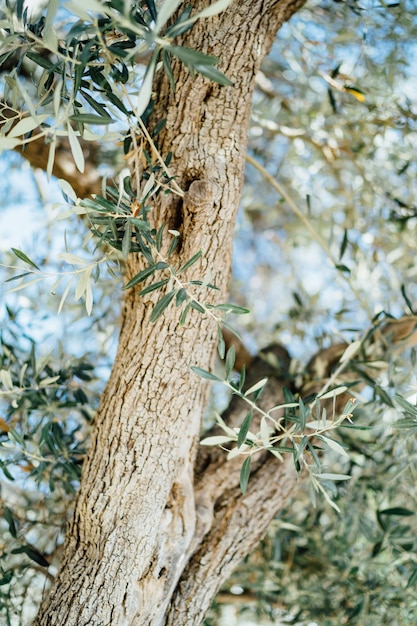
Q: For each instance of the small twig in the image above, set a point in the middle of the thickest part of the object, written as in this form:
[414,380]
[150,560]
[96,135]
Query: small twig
[271,180]
[176,188]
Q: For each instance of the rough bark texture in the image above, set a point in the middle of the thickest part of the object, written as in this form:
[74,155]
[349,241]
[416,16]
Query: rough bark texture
[149,543]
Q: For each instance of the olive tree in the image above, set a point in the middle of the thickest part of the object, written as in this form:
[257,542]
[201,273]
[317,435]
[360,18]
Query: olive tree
[159,522]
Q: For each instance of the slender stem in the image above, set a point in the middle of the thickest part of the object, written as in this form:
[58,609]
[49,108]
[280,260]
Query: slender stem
[322,243]
[176,188]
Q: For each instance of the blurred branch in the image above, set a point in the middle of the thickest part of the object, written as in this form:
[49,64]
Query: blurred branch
[334,366]
[243,356]
[373,352]
[37,153]
[316,236]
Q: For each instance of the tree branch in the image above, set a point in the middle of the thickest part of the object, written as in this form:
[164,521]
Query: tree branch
[226,527]
[37,153]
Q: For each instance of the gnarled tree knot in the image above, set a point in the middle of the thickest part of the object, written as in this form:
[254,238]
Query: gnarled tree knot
[201,196]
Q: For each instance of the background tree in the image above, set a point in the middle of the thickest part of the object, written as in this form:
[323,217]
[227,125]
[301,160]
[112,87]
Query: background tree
[150,448]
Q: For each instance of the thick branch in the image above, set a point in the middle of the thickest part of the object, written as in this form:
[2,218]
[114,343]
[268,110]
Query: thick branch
[235,530]
[84,183]
[226,525]
[135,515]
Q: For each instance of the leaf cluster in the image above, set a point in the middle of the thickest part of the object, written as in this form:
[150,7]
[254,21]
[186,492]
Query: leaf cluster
[85,76]
[354,568]
[291,427]
[44,408]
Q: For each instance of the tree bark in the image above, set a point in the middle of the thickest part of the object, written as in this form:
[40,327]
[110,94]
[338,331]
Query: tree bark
[149,542]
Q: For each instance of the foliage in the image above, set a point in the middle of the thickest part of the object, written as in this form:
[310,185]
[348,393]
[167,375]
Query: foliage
[343,167]
[340,136]
[98,56]
[94,57]
[349,166]
[46,415]
[357,568]
[286,428]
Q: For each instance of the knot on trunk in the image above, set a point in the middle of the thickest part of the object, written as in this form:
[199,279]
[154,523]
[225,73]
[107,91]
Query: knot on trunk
[201,196]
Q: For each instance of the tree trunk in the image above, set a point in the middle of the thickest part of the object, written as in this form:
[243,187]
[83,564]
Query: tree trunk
[150,540]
